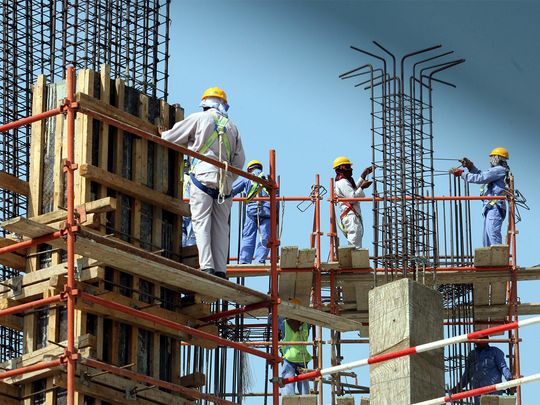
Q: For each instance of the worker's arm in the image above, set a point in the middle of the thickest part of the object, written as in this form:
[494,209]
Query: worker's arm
[181,132]
[484,177]
[501,365]
[240,185]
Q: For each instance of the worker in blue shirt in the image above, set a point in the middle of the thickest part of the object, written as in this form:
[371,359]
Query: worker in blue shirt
[256,230]
[493,183]
[484,366]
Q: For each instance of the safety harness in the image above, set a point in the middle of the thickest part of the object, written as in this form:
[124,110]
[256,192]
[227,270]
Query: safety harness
[350,208]
[255,188]
[220,135]
[485,189]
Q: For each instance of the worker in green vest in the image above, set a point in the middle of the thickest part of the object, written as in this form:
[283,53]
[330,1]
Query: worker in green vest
[295,357]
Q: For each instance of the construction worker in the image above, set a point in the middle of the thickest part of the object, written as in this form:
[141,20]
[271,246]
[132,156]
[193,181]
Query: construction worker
[485,365]
[295,357]
[210,133]
[256,229]
[493,183]
[350,219]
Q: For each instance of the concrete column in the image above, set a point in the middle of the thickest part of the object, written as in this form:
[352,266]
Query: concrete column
[405,313]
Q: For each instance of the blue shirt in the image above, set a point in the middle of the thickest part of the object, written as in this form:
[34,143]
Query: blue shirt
[493,179]
[243,185]
[485,367]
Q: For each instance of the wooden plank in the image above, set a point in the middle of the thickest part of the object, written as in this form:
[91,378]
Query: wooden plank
[83,140]
[33,291]
[13,322]
[105,204]
[501,311]
[112,388]
[316,317]
[14,184]
[13,260]
[134,189]
[154,310]
[26,227]
[97,108]
[39,102]
[170,273]
[194,380]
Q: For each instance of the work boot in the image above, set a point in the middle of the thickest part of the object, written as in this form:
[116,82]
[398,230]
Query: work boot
[221,274]
[209,271]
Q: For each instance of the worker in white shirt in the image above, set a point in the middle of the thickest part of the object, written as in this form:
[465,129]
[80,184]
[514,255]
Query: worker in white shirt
[210,133]
[350,219]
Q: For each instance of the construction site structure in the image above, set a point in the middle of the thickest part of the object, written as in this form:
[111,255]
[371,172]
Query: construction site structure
[112,306]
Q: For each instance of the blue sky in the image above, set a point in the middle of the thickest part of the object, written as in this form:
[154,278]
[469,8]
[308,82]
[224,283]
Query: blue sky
[279,62]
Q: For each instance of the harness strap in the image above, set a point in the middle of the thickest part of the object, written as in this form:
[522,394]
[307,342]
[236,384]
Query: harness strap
[212,192]
[255,188]
[220,134]
[350,208]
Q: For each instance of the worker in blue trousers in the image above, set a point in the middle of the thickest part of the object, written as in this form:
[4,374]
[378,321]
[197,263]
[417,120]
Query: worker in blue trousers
[256,231]
[485,365]
[295,357]
[494,183]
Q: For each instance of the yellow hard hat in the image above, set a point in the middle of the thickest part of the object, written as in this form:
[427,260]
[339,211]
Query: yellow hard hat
[294,301]
[342,160]
[214,92]
[503,152]
[253,163]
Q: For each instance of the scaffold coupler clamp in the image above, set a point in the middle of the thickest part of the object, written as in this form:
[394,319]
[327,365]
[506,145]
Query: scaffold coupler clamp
[278,380]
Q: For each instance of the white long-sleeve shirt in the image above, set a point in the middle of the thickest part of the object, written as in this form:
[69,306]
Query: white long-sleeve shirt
[194,131]
[344,189]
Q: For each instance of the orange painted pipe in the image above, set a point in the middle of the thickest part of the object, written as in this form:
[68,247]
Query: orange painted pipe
[32,305]
[31,119]
[28,369]
[69,168]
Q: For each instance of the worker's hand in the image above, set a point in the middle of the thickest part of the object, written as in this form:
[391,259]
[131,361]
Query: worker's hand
[511,390]
[455,390]
[467,163]
[161,128]
[366,172]
[365,184]
[456,171]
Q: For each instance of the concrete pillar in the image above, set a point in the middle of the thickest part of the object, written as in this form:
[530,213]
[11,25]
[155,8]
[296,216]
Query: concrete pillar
[405,313]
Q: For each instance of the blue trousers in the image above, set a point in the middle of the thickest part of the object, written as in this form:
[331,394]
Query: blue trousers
[493,220]
[289,370]
[255,239]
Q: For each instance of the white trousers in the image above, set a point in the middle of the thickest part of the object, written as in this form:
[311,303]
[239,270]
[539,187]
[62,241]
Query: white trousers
[211,226]
[354,230]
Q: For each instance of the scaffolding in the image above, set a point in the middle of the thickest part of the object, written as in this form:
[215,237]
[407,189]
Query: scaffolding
[409,221]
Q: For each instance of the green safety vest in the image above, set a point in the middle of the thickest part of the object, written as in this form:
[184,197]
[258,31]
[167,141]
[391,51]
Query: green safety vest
[255,188]
[220,133]
[294,353]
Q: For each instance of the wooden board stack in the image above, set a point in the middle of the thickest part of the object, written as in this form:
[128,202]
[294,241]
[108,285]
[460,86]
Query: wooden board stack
[126,189]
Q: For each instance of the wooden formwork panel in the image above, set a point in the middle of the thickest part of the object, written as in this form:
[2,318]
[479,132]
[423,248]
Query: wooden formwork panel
[127,188]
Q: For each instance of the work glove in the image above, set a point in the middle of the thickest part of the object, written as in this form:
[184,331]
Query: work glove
[365,184]
[466,163]
[366,172]
[456,171]
[511,390]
